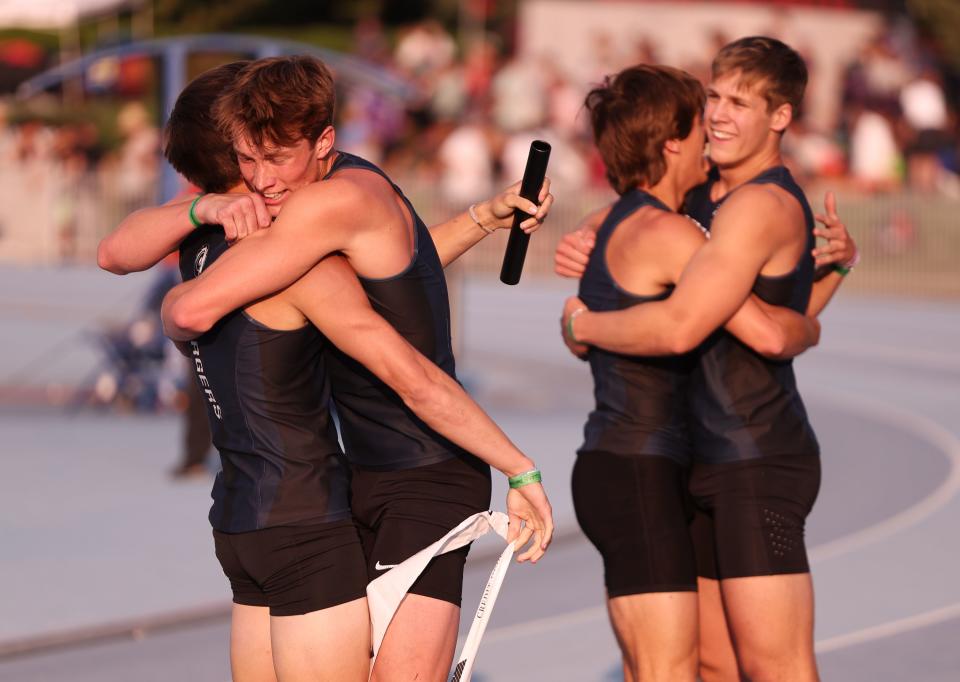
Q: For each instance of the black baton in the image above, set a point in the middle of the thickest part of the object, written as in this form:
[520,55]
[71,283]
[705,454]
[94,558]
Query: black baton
[533,176]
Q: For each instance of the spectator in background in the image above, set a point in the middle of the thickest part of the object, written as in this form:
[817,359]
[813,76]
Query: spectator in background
[927,120]
[519,96]
[466,162]
[874,154]
[137,167]
[424,49]
[564,102]
[7,138]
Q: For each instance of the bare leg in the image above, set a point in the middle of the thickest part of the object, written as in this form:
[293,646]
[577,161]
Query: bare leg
[331,644]
[771,620]
[419,644]
[251,656]
[657,633]
[718,661]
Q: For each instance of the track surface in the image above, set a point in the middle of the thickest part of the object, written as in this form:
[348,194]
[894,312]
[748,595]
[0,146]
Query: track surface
[96,537]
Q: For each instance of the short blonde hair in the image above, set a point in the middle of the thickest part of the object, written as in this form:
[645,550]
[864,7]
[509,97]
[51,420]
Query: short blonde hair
[774,65]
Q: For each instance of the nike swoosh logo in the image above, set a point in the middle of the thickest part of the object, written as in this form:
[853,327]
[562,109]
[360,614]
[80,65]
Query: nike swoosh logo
[384,567]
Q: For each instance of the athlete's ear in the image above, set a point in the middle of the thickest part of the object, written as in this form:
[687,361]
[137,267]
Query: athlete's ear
[672,146]
[324,144]
[782,117]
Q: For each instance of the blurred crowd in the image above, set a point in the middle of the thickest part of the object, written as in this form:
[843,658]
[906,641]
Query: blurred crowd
[480,106]
[467,131]
[76,184]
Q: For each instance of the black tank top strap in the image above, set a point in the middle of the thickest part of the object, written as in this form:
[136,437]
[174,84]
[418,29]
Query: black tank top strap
[792,289]
[640,401]
[598,284]
[698,205]
[379,431]
[744,406]
[267,395]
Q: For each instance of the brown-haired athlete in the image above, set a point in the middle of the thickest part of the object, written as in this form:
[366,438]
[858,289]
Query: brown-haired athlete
[755,473]
[413,408]
[629,481]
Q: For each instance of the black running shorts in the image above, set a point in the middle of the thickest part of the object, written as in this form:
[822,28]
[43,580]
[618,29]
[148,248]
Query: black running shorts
[635,510]
[398,513]
[294,569]
[751,515]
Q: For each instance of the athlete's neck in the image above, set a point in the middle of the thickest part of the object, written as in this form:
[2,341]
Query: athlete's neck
[734,175]
[327,163]
[667,191]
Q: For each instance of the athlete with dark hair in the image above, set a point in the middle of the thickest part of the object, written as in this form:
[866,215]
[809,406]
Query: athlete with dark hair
[756,470]
[404,419]
[629,481]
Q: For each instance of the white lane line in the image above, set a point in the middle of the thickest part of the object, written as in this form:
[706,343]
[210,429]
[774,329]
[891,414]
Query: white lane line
[900,356]
[923,428]
[599,613]
[890,629]
[548,624]
[919,425]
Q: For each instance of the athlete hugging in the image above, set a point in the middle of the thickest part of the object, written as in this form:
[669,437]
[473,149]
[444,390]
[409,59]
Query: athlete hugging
[699,466]
[342,301]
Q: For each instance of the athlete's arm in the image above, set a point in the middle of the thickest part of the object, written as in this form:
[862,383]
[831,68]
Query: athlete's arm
[773,331]
[147,236]
[712,288]
[316,221]
[456,236]
[330,296]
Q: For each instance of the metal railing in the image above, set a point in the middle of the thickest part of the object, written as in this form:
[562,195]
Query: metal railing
[910,243]
[50,216]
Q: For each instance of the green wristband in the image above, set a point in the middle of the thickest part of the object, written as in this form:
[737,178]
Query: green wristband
[526,478]
[193,217]
[573,316]
[840,270]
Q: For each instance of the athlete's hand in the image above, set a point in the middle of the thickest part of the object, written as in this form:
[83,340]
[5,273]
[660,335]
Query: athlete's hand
[572,305]
[240,214]
[573,252]
[529,505]
[503,205]
[840,247]
[574,249]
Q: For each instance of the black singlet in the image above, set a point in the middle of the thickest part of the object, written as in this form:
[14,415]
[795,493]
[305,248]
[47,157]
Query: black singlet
[268,402]
[744,406]
[378,430]
[640,401]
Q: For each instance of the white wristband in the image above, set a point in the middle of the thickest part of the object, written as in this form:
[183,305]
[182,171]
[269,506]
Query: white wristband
[473,216]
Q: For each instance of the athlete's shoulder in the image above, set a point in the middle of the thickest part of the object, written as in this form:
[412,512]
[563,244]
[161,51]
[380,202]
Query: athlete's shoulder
[326,195]
[667,225]
[754,196]
[757,216]
[757,204]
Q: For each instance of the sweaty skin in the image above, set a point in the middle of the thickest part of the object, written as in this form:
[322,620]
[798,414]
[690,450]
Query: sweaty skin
[148,235]
[714,285]
[575,247]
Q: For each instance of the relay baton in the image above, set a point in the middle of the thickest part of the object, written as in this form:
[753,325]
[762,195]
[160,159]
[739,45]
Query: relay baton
[533,176]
